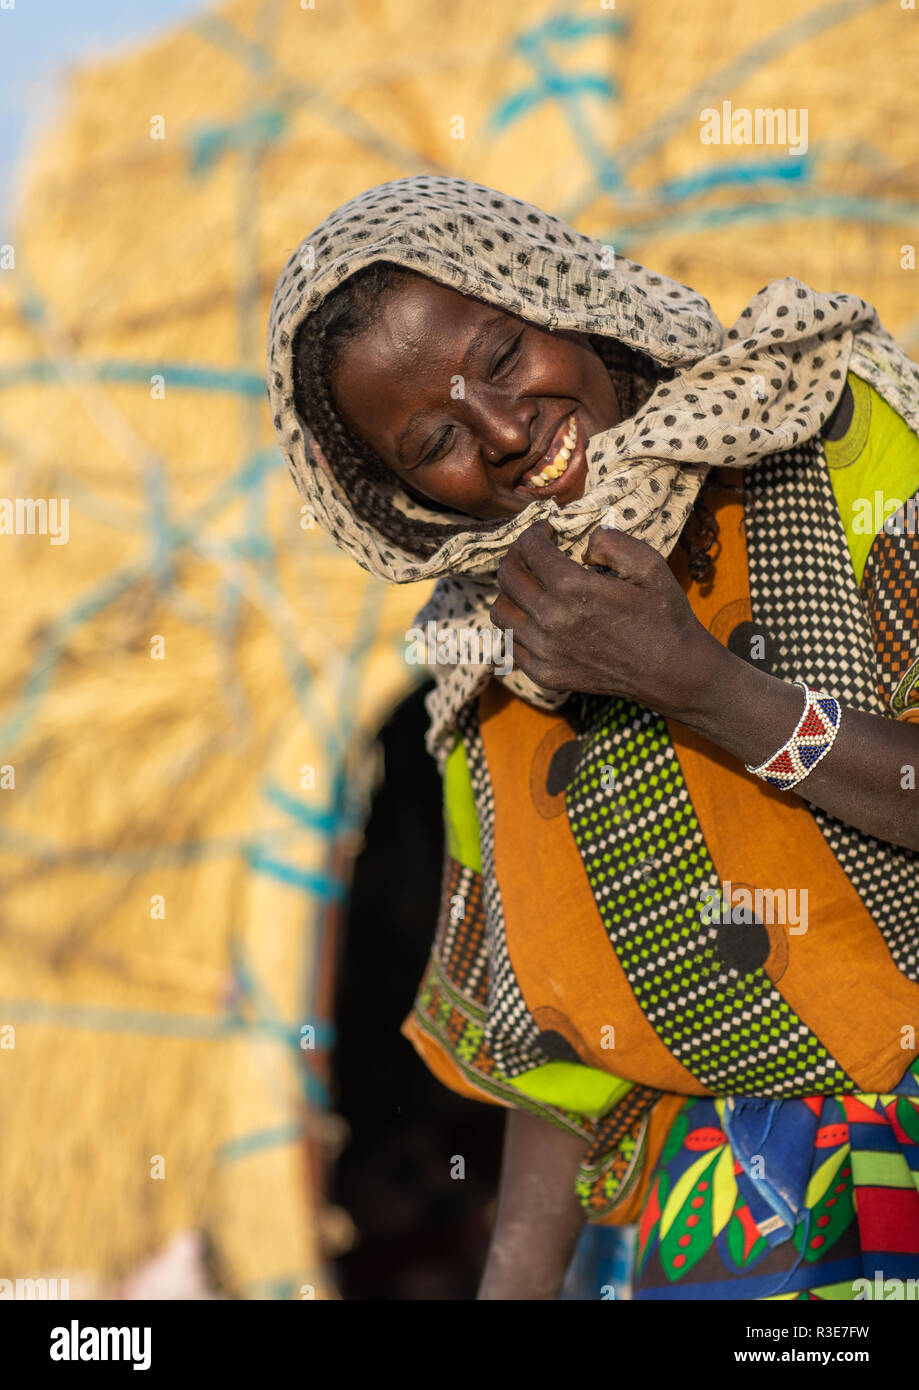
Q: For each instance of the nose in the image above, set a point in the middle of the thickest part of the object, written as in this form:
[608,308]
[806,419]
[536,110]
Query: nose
[503,425]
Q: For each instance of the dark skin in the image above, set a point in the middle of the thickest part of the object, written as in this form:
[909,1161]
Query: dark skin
[630,632]
[517,383]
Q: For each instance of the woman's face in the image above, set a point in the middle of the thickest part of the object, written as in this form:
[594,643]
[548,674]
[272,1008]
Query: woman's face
[471,406]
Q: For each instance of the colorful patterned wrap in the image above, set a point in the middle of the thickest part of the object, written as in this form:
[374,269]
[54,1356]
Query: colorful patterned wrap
[856,1159]
[572,974]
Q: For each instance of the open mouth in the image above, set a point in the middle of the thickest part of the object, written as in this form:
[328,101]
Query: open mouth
[564,459]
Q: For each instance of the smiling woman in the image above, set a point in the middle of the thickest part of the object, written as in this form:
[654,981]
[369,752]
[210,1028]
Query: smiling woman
[469,390]
[515,393]
[466,406]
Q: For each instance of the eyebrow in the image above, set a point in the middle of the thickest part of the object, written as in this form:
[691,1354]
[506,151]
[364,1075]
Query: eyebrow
[475,343]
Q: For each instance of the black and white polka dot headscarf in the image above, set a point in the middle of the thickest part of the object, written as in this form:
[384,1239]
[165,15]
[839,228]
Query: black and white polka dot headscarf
[760,388]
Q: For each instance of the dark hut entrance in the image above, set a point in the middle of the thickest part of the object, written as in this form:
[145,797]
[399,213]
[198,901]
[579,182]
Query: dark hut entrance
[421,1233]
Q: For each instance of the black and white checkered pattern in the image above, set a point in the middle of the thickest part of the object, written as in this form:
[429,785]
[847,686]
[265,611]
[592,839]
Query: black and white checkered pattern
[511,1032]
[453,941]
[803,591]
[804,594]
[697,1005]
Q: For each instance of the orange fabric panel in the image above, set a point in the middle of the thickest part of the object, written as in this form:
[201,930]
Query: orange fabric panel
[440,1063]
[556,940]
[838,976]
[724,601]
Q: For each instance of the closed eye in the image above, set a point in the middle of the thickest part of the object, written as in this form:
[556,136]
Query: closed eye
[438,448]
[507,356]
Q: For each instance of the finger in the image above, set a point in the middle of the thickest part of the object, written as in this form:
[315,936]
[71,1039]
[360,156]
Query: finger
[520,657]
[505,615]
[518,582]
[542,556]
[629,557]
[525,660]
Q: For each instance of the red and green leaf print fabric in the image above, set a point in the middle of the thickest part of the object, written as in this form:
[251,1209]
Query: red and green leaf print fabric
[697,1237]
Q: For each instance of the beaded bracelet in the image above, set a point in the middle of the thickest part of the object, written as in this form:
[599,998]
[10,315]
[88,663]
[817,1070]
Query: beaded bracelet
[812,740]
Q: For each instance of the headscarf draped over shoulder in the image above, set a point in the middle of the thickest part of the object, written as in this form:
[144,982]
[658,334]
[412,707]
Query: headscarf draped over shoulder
[736,396]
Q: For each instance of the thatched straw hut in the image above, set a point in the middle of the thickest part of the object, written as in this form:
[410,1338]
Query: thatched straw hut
[193,682]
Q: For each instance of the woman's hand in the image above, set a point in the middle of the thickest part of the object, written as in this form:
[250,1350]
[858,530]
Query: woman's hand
[630,633]
[634,634]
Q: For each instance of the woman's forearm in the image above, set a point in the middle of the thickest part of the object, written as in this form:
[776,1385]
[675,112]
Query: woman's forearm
[868,778]
[539,1217]
[631,632]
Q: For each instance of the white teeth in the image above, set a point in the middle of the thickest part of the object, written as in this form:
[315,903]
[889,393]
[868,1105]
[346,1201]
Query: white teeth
[560,462]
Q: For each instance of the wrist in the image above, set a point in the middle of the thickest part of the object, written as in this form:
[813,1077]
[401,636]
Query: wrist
[738,707]
[709,673]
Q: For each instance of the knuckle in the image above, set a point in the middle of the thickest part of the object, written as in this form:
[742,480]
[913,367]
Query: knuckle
[537,640]
[568,587]
[545,674]
[554,613]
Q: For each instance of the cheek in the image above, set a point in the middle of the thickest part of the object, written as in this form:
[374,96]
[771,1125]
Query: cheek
[460,485]
[367,401]
[565,368]
[597,390]
[460,477]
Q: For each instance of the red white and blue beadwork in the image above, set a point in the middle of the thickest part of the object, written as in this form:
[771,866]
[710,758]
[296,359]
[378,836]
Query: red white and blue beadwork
[812,740]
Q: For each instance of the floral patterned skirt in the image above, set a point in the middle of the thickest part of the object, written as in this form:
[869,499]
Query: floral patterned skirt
[856,1230]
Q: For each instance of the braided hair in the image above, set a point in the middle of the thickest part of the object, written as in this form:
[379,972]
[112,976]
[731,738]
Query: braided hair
[352,307]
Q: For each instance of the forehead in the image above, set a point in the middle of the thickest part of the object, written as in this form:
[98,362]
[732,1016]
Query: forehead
[420,336]
[420,323]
